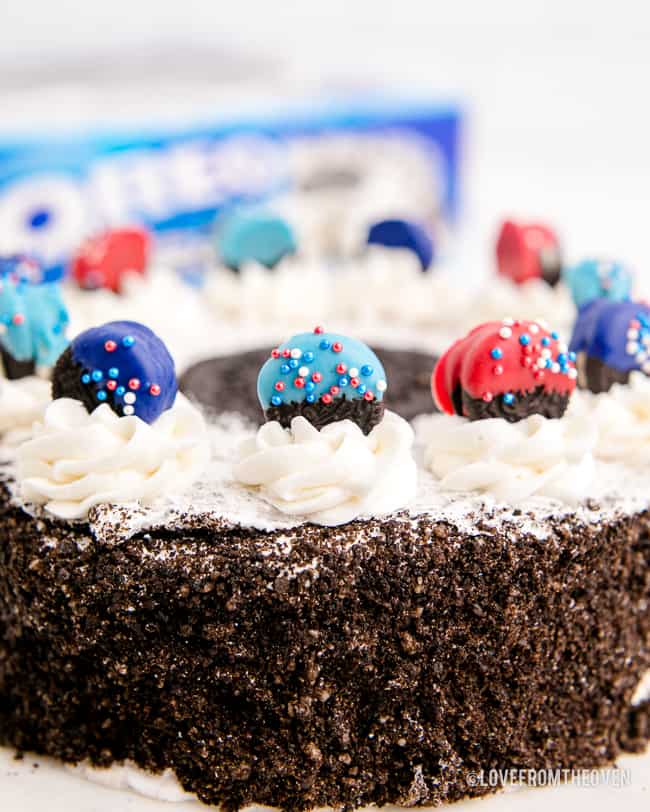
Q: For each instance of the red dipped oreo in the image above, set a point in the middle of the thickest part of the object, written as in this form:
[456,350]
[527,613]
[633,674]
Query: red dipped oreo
[528,251]
[510,369]
[103,260]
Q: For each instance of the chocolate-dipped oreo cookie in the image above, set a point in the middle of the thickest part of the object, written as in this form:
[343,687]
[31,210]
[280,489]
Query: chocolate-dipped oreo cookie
[509,369]
[528,251]
[405,235]
[123,364]
[254,236]
[33,317]
[104,260]
[598,279]
[323,377]
[611,339]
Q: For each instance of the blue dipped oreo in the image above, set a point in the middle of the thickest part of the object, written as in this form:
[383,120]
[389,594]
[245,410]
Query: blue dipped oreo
[123,364]
[403,234]
[324,377]
[611,339]
[254,236]
[33,317]
[597,279]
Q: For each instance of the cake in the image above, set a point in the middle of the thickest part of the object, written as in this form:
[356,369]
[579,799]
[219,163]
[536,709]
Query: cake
[277,606]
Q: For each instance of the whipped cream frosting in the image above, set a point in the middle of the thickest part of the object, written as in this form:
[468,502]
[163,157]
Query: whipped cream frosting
[76,460]
[22,402]
[331,475]
[512,461]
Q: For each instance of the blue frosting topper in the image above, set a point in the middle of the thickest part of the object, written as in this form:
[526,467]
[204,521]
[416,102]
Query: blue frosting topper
[33,316]
[616,333]
[403,234]
[320,366]
[126,365]
[597,279]
[254,236]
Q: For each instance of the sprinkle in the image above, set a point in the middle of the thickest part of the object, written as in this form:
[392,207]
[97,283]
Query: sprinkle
[524,339]
[504,332]
[310,398]
[113,372]
[555,335]
[128,410]
[293,364]
[111,385]
[343,381]
[487,397]
[296,352]
[368,396]
[128,341]
[508,398]
[278,386]
[539,374]
[299,383]
[545,341]
[555,368]
[275,353]
[526,361]
[85,378]
[276,400]
[562,346]
[134,383]
[632,334]
[534,329]
[334,390]
[640,357]
[308,357]
[498,369]
[341,368]
[318,330]
[337,346]
[120,391]
[286,353]
[367,370]
[562,358]
[110,346]
[545,353]
[381,385]
[354,382]
[317,377]
[97,375]
[631,348]
[635,323]
[572,373]
[325,344]
[361,389]
[541,363]
[572,356]
[101,395]
[353,372]
[326,398]
[496,353]
[303,372]
[18,319]
[310,386]
[129,397]
[285,369]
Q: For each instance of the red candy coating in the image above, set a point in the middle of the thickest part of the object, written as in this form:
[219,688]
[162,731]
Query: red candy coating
[470,363]
[519,248]
[103,260]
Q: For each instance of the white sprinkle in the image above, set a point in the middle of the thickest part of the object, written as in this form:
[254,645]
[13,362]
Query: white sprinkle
[303,372]
[572,373]
[545,353]
[382,386]
[561,346]
[296,352]
[646,339]
[129,397]
[641,357]
[555,368]
[633,334]
[534,329]
[505,332]
[353,372]
[541,363]
[631,348]
[128,410]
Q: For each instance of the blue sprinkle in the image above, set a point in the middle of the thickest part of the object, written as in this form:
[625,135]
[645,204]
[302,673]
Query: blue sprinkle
[325,344]
[367,370]
[293,363]
[508,398]
[308,357]
[285,369]
[101,395]
[113,372]
[310,398]
[276,400]
[310,386]
[343,381]
[128,341]
[564,369]
[562,358]
[496,353]
[361,389]
[120,391]
[555,335]
[97,375]
[549,363]
[545,341]
[524,339]
[85,378]
[572,356]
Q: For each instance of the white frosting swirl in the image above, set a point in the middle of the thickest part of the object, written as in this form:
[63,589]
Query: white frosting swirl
[76,460]
[22,402]
[334,474]
[512,461]
[621,418]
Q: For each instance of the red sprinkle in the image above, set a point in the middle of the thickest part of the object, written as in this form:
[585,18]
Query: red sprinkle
[299,383]
[341,368]
[337,346]
[368,396]
[18,318]
[354,382]
[538,374]
[154,390]
[334,390]
[326,398]
[278,386]
[134,383]
[498,370]
[275,353]
[286,353]
[487,397]
[318,330]
[111,385]
[317,377]
[110,346]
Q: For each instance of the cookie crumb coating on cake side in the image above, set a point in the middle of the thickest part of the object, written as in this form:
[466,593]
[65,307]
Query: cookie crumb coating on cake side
[323,377]
[509,369]
[123,364]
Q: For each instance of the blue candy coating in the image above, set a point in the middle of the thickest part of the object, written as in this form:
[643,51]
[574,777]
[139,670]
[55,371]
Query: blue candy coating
[146,359]
[255,236]
[601,331]
[355,354]
[403,234]
[32,311]
[598,279]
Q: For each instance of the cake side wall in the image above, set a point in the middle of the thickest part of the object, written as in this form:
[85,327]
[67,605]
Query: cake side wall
[377,662]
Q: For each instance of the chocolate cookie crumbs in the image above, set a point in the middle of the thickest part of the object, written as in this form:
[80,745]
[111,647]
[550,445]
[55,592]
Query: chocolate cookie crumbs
[539,401]
[380,662]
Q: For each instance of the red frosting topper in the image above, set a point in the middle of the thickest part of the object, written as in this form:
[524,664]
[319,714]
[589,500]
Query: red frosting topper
[528,252]
[102,260]
[506,359]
